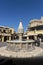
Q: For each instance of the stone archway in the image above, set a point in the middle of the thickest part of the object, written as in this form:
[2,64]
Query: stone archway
[31,37]
[5,38]
[39,35]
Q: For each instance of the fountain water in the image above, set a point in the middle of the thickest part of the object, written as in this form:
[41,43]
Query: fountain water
[18,45]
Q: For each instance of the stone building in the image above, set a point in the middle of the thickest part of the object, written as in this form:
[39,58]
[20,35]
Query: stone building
[35,29]
[6,33]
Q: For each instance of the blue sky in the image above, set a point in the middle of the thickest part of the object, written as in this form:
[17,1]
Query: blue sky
[11,11]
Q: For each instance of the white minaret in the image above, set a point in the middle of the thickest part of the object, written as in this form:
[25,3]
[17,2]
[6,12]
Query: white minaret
[20,31]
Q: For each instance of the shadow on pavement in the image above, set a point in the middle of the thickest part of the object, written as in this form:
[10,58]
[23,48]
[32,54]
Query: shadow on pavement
[21,61]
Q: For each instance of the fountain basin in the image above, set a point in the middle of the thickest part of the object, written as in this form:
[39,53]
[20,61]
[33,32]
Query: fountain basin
[17,45]
[19,41]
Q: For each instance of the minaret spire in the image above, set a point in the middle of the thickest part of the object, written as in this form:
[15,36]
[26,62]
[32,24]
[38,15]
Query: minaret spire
[20,28]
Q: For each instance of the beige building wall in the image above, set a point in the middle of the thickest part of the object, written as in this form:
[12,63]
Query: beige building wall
[5,33]
[35,23]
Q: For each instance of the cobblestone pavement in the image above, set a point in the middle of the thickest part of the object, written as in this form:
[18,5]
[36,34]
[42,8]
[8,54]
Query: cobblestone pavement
[41,47]
[3,44]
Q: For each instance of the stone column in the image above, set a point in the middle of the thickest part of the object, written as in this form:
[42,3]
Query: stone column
[35,37]
[20,37]
[27,43]
[2,38]
[27,37]
[9,38]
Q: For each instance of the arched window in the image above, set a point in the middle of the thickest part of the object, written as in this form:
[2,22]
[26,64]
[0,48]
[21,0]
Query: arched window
[4,31]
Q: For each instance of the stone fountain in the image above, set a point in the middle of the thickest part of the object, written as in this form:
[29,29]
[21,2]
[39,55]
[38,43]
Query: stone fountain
[18,45]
